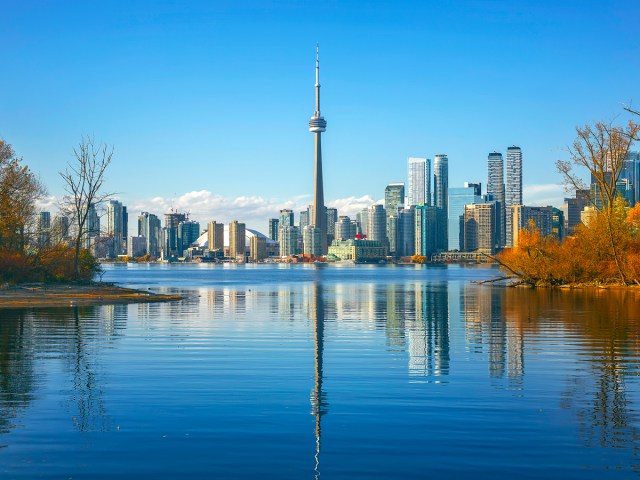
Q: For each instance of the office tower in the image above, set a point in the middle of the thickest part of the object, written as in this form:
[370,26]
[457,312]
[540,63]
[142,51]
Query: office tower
[557,224]
[257,248]
[477,187]
[171,222]
[125,229]
[188,233]
[523,216]
[288,240]
[458,198]
[574,207]
[419,181]
[332,218]
[425,219]
[115,226]
[630,177]
[495,188]
[392,233]
[405,237]
[513,192]
[286,218]
[92,228]
[362,218]
[44,229]
[149,227]
[441,199]
[215,236]
[60,229]
[274,223]
[237,241]
[312,241]
[393,198]
[377,224]
[317,125]
[480,228]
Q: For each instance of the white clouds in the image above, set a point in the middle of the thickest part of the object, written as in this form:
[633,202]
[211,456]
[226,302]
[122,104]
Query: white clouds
[352,205]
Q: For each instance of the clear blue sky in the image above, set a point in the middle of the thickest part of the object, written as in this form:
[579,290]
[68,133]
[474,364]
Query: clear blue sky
[215,96]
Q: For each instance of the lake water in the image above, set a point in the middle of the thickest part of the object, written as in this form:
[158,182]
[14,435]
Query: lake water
[336,372]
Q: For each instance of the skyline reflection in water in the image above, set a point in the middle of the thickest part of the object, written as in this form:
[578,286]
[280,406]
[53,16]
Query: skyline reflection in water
[440,367]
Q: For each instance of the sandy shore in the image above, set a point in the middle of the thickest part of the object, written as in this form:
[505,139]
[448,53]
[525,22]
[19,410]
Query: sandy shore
[46,295]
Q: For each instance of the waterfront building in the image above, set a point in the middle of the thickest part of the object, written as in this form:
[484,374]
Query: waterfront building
[237,241]
[479,228]
[440,200]
[317,125]
[523,216]
[188,233]
[288,241]
[215,236]
[392,233]
[60,229]
[495,188]
[304,218]
[312,241]
[631,173]
[358,250]
[377,224]
[257,248]
[419,191]
[513,192]
[115,227]
[137,246]
[149,227]
[425,220]
[405,236]
[92,229]
[273,228]
[125,229]
[458,198]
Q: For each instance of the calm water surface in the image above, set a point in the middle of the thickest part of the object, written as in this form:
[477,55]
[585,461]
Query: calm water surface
[299,372]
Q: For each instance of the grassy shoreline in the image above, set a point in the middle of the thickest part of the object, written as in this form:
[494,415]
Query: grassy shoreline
[44,295]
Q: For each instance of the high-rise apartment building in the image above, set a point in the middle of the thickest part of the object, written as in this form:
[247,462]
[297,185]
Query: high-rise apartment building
[441,199]
[495,188]
[393,198]
[274,223]
[344,227]
[458,198]
[332,218]
[60,229]
[524,216]
[405,236]
[419,188]
[257,248]
[377,224]
[362,218]
[479,228]
[288,240]
[573,208]
[425,220]
[513,193]
[188,233]
[215,236]
[149,227]
[115,226]
[171,222]
[286,218]
[44,229]
[312,241]
[92,228]
[237,241]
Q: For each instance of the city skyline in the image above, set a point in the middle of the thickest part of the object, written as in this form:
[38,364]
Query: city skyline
[177,102]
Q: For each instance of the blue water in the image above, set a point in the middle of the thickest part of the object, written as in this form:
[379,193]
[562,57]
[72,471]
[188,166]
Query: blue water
[291,371]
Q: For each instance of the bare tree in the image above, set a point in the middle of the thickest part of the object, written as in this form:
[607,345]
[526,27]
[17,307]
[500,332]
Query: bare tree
[83,180]
[602,149]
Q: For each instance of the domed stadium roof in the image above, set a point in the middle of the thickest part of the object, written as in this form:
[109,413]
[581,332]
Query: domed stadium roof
[203,240]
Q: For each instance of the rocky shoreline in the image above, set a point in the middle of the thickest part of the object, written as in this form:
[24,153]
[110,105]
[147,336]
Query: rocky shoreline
[65,295]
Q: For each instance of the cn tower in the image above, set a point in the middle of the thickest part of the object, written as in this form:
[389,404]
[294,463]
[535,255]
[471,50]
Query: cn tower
[317,125]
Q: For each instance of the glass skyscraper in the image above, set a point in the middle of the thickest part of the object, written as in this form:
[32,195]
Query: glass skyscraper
[458,198]
[440,199]
[513,194]
[495,188]
[419,181]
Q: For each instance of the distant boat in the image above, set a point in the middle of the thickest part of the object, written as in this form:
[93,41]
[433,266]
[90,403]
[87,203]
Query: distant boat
[318,262]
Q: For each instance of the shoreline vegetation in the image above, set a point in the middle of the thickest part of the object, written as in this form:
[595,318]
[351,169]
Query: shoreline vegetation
[42,295]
